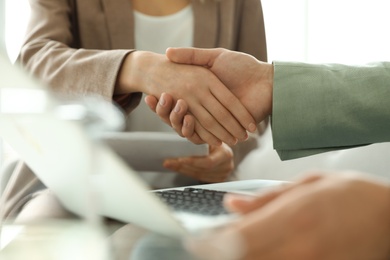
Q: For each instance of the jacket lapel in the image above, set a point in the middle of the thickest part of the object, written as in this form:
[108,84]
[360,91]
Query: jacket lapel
[205,23]
[120,19]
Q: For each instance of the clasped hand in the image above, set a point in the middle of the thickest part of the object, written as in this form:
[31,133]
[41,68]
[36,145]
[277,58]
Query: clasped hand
[248,79]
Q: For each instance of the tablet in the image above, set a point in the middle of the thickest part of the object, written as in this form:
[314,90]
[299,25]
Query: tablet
[146,151]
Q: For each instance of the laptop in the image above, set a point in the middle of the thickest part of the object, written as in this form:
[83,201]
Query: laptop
[59,139]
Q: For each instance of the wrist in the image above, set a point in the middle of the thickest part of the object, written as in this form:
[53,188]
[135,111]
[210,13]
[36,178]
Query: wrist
[271,84]
[130,76]
[265,83]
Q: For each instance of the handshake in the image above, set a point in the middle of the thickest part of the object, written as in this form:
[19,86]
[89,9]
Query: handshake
[233,99]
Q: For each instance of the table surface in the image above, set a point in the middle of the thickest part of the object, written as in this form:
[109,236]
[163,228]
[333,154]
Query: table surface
[75,240]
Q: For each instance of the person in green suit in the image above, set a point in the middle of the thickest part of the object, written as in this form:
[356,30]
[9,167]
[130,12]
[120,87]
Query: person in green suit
[313,108]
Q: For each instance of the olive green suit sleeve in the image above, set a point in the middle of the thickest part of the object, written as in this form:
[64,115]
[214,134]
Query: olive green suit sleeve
[323,107]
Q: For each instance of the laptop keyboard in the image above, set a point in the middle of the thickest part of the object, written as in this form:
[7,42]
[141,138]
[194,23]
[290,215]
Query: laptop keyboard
[194,200]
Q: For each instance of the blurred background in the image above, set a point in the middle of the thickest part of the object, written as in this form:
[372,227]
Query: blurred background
[349,31]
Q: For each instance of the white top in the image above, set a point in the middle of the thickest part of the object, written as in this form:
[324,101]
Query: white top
[156,34]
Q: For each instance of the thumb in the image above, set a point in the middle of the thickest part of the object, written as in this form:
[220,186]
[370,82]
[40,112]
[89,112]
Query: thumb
[193,56]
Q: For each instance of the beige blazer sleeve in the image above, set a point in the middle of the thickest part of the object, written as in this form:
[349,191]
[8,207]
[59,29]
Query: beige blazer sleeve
[70,54]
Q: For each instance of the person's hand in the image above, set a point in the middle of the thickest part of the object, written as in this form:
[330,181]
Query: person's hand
[217,109]
[333,216]
[213,168]
[176,116]
[250,80]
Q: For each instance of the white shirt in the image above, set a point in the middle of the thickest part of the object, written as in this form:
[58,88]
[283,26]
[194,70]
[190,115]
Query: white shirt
[156,33]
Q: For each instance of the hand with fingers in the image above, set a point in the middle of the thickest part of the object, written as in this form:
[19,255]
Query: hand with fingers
[214,168]
[218,110]
[177,116]
[250,80]
[328,216]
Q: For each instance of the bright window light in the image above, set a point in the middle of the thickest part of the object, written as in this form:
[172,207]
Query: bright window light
[340,31]
[343,31]
[17,13]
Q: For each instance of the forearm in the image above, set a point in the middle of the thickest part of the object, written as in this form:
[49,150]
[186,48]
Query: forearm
[52,52]
[80,72]
[136,73]
[73,70]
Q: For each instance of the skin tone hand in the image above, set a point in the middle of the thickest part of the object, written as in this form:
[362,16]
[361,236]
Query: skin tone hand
[332,216]
[250,80]
[216,167]
[206,96]
[176,116]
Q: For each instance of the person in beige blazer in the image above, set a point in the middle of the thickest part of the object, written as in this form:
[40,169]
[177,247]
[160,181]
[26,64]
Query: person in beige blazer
[83,47]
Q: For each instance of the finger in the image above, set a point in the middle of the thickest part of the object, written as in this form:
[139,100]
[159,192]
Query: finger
[164,107]
[215,167]
[188,130]
[173,117]
[216,174]
[310,178]
[201,132]
[211,126]
[212,176]
[151,101]
[221,104]
[177,115]
[194,56]
[242,120]
[218,155]
[245,204]
[186,166]
[218,119]
[196,133]
[207,136]
[184,123]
